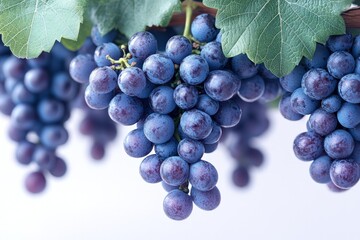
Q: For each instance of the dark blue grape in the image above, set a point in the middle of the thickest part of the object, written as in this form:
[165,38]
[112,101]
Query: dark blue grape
[43,157]
[207,104]
[167,149]
[177,205]
[214,136]
[53,136]
[318,83]
[241,177]
[292,81]
[209,148]
[229,113]
[349,88]
[6,104]
[99,38]
[132,81]
[322,122]
[320,57]
[243,66]
[349,115]
[196,124]
[214,56]
[221,85]
[194,69]
[340,42]
[252,88]
[14,67]
[331,104]
[302,103]
[206,200]
[24,152]
[51,110]
[272,90]
[355,51]
[23,116]
[63,87]
[158,68]
[35,182]
[103,80]
[185,96]
[104,50]
[320,169]
[174,170]
[159,128]
[286,109]
[136,144]
[339,144]
[177,48]
[97,101]
[150,169]
[59,168]
[345,173]
[203,28]
[308,146]
[203,175]
[190,150]
[340,63]
[125,109]
[142,44]
[81,67]
[162,100]
[37,80]
[97,150]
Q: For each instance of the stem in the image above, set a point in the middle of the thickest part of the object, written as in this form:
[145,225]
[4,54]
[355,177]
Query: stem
[188,12]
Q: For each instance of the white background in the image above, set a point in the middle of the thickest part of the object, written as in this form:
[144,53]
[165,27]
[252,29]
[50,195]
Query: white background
[109,200]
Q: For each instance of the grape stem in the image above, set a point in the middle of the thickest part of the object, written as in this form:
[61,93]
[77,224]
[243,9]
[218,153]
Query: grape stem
[188,16]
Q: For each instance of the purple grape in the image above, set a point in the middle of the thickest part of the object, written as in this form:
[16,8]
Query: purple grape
[229,113]
[159,128]
[158,68]
[340,42]
[97,101]
[190,150]
[59,168]
[340,63]
[196,124]
[150,169]
[174,170]
[214,56]
[243,66]
[136,144]
[320,57]
[349,115]
[323,122]
[24,152]
[104,50]
[194,69]
[207,104]
[132,81]
[167,149]
[81,67]
[349,88]
[177,48]
[331,104]
[221,85]
[103,80]
[320,169]
[203,175]
[35,182]
[345,173]
[339,144]
[185,96]
[308,146]
[142,44]
[162,100]
[203,28]
[125,109]
[292,81]
[177,205]
[252,88]
[241,177]
[318,83]
[37,80]
[206,200]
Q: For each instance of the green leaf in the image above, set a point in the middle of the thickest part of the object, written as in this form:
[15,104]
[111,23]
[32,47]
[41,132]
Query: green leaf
[29,27]
[85,31]
[277,32]
[131,16]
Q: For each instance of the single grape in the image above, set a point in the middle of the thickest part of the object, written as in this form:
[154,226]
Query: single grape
[322,122]
[150,169]
[349,88]
[185,96]
[81,67]
[203,28]
[339,144]
[177,205]
[103,80]
[142,44]
[104,50]
[174,170]
[252,88]
[125,109]
[203,175]
[221,85]
[340,63]
[214,56]
[320,169]
[243,66]
[159,128]
[206,200]
[196,124]
[35,182]
[136,144]
[302,103]
[190,150]
[177,48]
[207,104]
[308,146]
[292,81]
[229,113]
[340,42]
[158,68]
[318,83]
[349,115]
[194,69]
[345,173]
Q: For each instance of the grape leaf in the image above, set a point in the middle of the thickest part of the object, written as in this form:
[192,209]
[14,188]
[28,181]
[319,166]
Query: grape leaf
[85,31]
[131,16]
[29,27]
[277,32]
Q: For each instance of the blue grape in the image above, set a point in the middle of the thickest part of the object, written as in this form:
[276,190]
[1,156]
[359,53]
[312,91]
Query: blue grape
[6,104]
[162,100]
[355,51]
[21,94]
[349,88]
[214,56]
[302,103]
[103,80]
[167,149]
[203,175]
[35,182]
[142,44]
[104,50]
[97,150]
[221,85]
[320,169]
[308,146]
[16,133]
[266,73]
[323,122]
[292,81]
[177,48]
[331,104]
[88,47]
[81,67]
[340,63]
[355,132]
[194,69]
[339,144]
[185,96]
[206,200]
[174,170]
[340,42]
[53,136]
[177,205]
[320,57]
[150,169]
[196,124]
[344,173]
[137,145]
[14,67]
[125,109]
[349,115]
[64,88]
[97,101]
[214,136]
[132,81]
[203,28]
[241,177]
[37,80]
[149,86]
[159,128]
[99,38]
[207,104]
[23,116]
[243,66]
[158,68]
[24,152]
[252,88]
[272,90]
[10,84]
[59,168]
[229,113]
[43,157]
[209,148]
[190,150]
[50,110]
[318,83]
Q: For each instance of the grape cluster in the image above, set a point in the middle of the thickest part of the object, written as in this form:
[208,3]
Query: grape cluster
[327,88]
[36,94]
[180,99]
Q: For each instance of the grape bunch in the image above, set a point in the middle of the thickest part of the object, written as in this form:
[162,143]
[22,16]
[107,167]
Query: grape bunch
[180,99]
[36,94]
[327,88]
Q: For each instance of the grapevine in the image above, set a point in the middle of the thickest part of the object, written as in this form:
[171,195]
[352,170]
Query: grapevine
[186,78]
